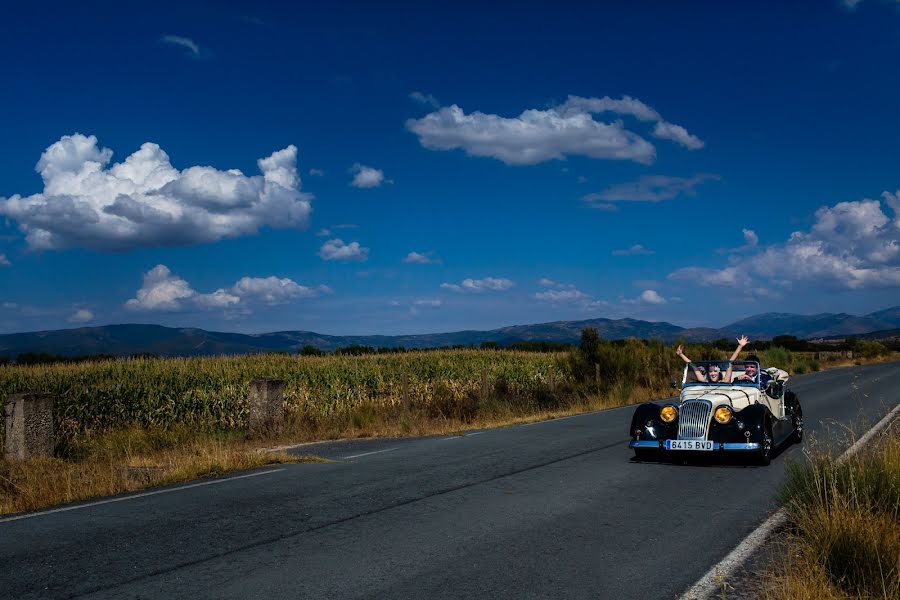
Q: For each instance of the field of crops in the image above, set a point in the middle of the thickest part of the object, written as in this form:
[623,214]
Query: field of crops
[445,385]
[213,392]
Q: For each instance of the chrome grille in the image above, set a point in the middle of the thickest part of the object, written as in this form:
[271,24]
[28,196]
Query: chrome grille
[693,419]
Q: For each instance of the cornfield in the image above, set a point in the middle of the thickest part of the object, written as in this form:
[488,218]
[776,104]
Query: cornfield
[213,392]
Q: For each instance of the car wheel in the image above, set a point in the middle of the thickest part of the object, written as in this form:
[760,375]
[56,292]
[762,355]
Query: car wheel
[765,453]
[644,454]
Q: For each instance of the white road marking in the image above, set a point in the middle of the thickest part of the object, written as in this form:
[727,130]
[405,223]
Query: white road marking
[366,454]
[135,496]
[711,582]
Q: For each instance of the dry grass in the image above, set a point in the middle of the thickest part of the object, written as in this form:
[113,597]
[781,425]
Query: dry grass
[125,461]
[845,541]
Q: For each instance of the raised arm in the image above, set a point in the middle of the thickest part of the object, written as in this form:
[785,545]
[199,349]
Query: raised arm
[742,341]
[697,373]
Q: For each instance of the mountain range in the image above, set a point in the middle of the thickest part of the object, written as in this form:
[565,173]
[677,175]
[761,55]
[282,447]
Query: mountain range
[123,340]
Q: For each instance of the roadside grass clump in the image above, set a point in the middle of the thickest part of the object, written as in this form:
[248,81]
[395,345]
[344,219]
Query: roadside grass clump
[845,516]
[127,460]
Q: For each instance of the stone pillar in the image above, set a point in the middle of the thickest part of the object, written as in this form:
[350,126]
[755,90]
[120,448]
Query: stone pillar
[29,426]
[266,405]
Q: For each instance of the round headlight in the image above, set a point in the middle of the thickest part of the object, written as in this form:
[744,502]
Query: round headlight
[723,414]
[668,413]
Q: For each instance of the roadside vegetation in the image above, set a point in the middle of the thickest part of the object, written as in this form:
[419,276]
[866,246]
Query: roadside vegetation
[127,423]
[845,517]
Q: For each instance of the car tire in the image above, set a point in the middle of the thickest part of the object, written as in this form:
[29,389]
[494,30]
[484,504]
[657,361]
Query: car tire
[641,454]
[768,445]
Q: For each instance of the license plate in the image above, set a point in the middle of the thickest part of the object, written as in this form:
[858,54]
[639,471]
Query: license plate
[689,445]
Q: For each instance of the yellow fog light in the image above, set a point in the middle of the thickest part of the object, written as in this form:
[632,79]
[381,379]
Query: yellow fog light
[723,414]
[668,413]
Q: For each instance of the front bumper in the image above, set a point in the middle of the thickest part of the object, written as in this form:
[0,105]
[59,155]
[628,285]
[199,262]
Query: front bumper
[720,446]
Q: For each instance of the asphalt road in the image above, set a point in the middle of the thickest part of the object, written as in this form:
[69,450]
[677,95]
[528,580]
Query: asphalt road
[555,509]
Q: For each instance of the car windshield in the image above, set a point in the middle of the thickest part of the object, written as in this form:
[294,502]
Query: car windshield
[715,372]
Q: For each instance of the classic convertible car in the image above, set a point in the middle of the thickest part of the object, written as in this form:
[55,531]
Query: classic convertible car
[751,413]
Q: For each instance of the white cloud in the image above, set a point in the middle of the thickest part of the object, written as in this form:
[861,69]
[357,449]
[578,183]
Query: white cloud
[427,99]
[366,177]
[727,276]
[636,250]
[336,249]
[324,232]
[539,135]
[164,291]
[493,284]
[647,297]
[561,295]
[417,258]
[184,42]
[145,201]
[429,302]
[852,245]
[317,172]
[4,262]
[677,133]
[649,188]
[81,316]
[272,290]
[545,282]
[751,241]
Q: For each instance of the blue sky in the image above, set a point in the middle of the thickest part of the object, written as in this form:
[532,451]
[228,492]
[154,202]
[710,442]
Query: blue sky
[411,168]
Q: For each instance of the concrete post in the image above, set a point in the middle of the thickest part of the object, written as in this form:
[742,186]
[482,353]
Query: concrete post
[266,405]
[29,426]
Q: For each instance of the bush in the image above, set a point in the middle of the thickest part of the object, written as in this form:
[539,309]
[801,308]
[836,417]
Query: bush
[869,348]
[777,356]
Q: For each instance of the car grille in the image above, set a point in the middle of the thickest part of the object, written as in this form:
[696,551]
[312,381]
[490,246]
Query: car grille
[694,419]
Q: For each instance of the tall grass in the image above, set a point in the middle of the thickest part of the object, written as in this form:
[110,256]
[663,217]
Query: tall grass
[846,516]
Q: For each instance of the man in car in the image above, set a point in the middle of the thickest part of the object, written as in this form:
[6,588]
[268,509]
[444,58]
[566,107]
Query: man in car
[752,373]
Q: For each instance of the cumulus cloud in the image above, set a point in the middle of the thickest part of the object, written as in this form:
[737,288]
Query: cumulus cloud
[751,241]
[81,316]
[647,297]
[491,284]
[851,245]
[636,250]
[4,262]
[649,188]
[164,291]
[336,249]
[426,99]
[145,201]
[183,42]
[536,135]
[366,177]
[560,292]
[417,258]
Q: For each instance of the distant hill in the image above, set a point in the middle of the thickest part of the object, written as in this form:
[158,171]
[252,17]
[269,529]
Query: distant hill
[768,325]
[123,340]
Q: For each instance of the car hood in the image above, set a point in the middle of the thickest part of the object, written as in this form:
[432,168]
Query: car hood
[738,397]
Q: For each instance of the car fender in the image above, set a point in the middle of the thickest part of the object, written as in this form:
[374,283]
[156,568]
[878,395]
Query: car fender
[754,418]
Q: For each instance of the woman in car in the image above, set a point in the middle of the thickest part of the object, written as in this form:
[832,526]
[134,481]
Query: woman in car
[714,375]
